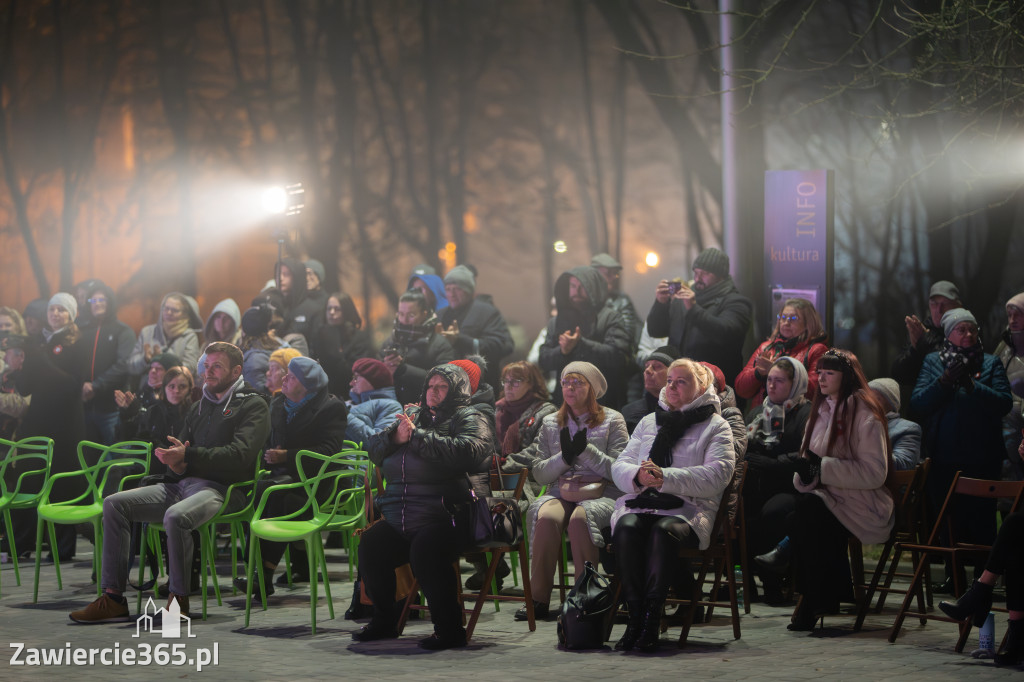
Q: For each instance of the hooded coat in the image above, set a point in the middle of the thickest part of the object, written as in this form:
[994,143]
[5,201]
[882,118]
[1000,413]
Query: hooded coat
[229,308]
[226,437]
[103,350]
[712,331]
[301,312]
[428,473]
[436,286]
[604,337]
[703,460]
[185,346]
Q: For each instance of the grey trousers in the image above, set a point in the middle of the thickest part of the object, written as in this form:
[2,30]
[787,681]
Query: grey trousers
[181,507]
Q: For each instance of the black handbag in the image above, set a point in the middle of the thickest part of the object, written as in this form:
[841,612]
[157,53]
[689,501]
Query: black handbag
[487,522]
[586,617]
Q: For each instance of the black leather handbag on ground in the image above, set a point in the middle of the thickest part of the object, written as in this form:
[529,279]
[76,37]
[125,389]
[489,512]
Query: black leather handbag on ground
[585,621]
[489,522]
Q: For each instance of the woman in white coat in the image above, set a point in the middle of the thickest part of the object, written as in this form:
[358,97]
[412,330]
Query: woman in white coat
[674,469]
[845,458]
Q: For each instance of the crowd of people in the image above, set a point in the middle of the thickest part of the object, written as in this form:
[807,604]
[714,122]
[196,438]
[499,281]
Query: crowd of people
[630,428]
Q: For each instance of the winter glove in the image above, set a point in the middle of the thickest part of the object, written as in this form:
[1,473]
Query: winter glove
[956,370]
[572,447]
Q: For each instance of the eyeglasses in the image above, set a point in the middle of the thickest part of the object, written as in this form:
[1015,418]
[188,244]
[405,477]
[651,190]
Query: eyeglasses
[512,383]
[97,300]
[788,318]
[573,383]
[334,308]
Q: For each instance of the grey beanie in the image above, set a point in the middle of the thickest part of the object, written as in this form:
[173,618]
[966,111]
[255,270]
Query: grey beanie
[462,277]
[591,373]
[318,269]
[951,318]
[65,301]
[309,373]
[888,389]
[714,261]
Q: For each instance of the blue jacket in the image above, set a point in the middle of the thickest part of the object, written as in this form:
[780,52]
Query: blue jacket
[371,411]
[905,437]
[963,430]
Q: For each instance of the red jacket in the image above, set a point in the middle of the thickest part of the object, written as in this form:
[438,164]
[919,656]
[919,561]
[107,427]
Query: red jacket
[749,385]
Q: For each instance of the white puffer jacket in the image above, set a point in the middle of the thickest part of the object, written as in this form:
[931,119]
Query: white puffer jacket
[703,460]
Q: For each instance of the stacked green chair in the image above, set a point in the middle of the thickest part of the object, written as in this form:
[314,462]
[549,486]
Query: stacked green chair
[130,458]
[29,459]
[207,536]
[343,484]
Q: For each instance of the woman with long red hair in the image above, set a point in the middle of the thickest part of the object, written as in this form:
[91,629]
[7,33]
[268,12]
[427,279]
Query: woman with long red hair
[845,458]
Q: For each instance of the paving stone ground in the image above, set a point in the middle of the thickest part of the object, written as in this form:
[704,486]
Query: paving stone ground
[278,644]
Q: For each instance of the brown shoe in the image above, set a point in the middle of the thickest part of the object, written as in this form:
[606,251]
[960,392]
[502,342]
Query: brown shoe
[106,609]
[182,603]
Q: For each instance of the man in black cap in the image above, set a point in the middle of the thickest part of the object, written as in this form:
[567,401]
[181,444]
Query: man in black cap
[707,322]
[925,337]
[655,377]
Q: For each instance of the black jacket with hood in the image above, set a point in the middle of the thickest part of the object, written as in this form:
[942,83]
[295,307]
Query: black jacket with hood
[604,336]
[226,438]
[427,474]
[102,351]
[301,313]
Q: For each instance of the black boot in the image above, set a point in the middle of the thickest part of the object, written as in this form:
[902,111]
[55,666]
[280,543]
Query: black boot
[268,577]
[357,609]
[777,560]
[633,626]
[1013,652]
[650,633]
[975,604]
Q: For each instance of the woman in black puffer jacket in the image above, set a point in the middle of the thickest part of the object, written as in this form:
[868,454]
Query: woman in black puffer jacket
[424,457]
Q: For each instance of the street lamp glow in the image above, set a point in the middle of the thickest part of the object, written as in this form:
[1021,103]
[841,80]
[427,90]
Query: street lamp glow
[560,247]
[274,200]
[651,259]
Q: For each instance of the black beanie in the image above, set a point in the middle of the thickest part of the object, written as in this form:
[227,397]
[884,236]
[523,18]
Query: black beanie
[714,261]
[256,321]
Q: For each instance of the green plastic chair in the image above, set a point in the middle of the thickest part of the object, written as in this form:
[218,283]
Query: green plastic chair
[30,459]
[288,528]
[207,536]
[349,518]
[88,506]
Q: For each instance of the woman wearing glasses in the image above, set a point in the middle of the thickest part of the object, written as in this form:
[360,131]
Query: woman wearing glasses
[798,333]
[574,454]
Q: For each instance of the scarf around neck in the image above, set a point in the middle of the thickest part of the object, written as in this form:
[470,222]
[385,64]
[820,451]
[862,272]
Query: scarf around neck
[672,425]
[973,356]
[715,291]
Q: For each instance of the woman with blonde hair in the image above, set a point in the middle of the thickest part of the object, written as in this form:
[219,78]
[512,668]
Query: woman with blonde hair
[575,451]
[799,334]
[673,471]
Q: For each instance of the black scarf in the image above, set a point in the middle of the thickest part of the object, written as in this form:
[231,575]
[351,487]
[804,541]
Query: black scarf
[717,290]
[672,425]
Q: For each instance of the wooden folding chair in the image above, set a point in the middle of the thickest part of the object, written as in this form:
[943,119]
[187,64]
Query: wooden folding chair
[718,560]
[969,487]
[907,488]
[479,598]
